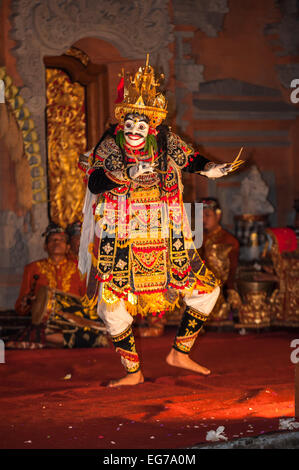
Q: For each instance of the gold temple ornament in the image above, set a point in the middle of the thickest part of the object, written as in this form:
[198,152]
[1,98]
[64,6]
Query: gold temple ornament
[66,130]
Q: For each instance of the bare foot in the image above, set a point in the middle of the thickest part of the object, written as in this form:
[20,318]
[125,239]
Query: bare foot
[178,359]
[129,379]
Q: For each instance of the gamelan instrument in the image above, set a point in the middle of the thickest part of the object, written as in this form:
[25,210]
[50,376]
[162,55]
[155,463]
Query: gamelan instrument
[50,308]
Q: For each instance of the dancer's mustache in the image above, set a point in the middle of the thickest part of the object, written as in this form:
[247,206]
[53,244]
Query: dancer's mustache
[130,133]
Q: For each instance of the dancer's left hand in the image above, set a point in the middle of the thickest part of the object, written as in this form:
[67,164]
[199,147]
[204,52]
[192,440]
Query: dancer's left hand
[216,170]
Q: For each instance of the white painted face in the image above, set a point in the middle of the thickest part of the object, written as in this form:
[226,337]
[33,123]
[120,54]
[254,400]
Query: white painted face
[135,130]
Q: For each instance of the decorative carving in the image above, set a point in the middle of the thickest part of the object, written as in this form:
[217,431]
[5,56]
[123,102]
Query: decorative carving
[29,139]
[253,195]
[78,54]
[206,16]
[285,299]
[66,130]
[50,27]
[285,32]
[255,311]
[284,39]
[254,301]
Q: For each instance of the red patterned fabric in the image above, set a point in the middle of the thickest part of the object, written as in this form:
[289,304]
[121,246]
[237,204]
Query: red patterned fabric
[286,238]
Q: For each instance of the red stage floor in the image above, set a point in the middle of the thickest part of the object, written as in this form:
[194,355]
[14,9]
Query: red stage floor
[251,387]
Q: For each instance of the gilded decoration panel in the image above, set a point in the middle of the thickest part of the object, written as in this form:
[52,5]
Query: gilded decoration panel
[66,139]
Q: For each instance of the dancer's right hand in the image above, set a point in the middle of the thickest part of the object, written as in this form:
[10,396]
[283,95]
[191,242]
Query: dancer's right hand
[139,169]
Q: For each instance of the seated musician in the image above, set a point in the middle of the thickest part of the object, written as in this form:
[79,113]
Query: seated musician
[55,271]
[214,233]
[61,274]
[220,251]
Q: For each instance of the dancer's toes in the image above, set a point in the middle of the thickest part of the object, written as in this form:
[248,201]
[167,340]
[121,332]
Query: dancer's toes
[129,379]
[178,359]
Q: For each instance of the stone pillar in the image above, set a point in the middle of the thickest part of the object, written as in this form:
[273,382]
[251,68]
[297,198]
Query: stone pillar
[20,243]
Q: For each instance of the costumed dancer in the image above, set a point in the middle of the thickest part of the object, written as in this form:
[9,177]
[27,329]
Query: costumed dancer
[135,247]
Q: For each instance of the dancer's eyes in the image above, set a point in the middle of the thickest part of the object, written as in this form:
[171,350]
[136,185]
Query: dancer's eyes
[129,124]
[143,127]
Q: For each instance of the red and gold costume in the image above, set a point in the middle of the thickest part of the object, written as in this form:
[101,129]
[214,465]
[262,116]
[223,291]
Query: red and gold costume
[141,258]
[141,254]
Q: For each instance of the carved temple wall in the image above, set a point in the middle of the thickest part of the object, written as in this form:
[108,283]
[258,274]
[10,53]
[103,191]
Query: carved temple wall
[228,66]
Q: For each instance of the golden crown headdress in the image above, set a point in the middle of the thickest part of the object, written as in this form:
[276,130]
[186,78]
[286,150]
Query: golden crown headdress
[141,96]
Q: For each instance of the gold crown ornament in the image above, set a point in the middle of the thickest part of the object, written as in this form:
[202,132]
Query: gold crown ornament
[141,96]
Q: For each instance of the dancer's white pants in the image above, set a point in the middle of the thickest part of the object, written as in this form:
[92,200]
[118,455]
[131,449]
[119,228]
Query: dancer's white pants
[119,319]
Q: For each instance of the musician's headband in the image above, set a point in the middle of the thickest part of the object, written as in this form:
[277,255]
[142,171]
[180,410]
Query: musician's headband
[52,228]
[211,204]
